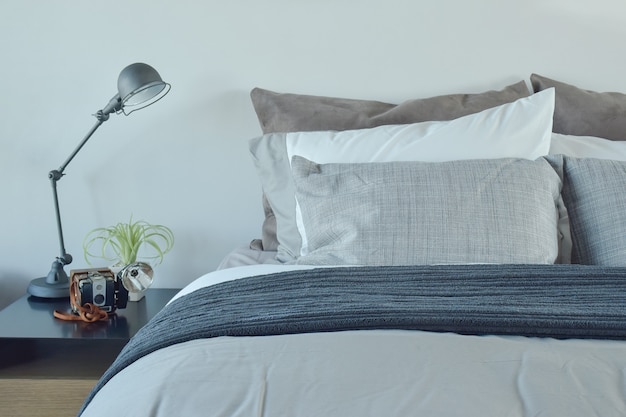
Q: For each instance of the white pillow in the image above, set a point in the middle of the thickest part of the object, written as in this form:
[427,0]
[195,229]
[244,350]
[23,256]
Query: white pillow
[517,129]
[521,129]
[587,147]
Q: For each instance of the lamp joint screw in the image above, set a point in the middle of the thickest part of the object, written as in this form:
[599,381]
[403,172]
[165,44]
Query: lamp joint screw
[55,175]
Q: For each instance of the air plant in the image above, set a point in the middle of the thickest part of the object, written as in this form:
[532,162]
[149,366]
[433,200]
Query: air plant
[123,242]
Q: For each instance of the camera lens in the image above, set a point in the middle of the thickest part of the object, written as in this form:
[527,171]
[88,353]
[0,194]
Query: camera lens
[98,299]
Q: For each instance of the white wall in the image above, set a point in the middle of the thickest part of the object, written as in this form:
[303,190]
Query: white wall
[183,162]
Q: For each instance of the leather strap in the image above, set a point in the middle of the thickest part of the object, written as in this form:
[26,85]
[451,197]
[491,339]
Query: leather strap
[87,312]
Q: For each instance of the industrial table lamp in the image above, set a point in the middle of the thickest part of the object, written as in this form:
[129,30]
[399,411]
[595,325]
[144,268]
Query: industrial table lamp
[138,85]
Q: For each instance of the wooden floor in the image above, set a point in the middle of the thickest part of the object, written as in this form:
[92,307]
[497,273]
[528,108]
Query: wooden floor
[43,397]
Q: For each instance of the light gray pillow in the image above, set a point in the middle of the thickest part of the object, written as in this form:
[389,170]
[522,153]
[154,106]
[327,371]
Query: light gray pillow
[284,112]
[594,191]
[407,213]
[583,112]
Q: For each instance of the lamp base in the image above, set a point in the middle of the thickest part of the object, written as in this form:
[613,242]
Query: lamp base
[40,288]
[56,284]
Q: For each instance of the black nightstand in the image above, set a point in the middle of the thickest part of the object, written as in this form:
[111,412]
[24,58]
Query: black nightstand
[47,366]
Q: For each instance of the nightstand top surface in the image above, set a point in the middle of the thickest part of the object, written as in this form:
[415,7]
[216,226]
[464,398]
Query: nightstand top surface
[32,318]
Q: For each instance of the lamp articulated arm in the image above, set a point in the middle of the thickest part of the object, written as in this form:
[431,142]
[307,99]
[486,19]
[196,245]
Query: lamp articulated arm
[54,176]
[57,274]
[114,105]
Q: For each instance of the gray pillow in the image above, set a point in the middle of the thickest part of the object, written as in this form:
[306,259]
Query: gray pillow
[594,191]
[583,112]
[407,213]
[283,112]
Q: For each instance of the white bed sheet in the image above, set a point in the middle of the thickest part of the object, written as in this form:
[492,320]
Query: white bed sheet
[369,373]
[230,274]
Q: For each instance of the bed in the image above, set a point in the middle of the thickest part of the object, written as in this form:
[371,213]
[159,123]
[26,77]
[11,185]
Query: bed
[455,255]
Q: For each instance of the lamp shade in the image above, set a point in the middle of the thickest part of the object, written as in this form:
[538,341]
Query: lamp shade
[140,85]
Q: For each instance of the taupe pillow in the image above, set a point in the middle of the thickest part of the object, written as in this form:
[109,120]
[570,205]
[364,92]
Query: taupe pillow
[583,112]
[284,112]
[410,213]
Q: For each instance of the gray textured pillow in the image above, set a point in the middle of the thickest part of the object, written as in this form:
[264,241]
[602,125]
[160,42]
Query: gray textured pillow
[407,213]
[585,113]
[594,191]
[283,112]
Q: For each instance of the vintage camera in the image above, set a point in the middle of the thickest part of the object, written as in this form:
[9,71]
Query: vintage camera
[98,286]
